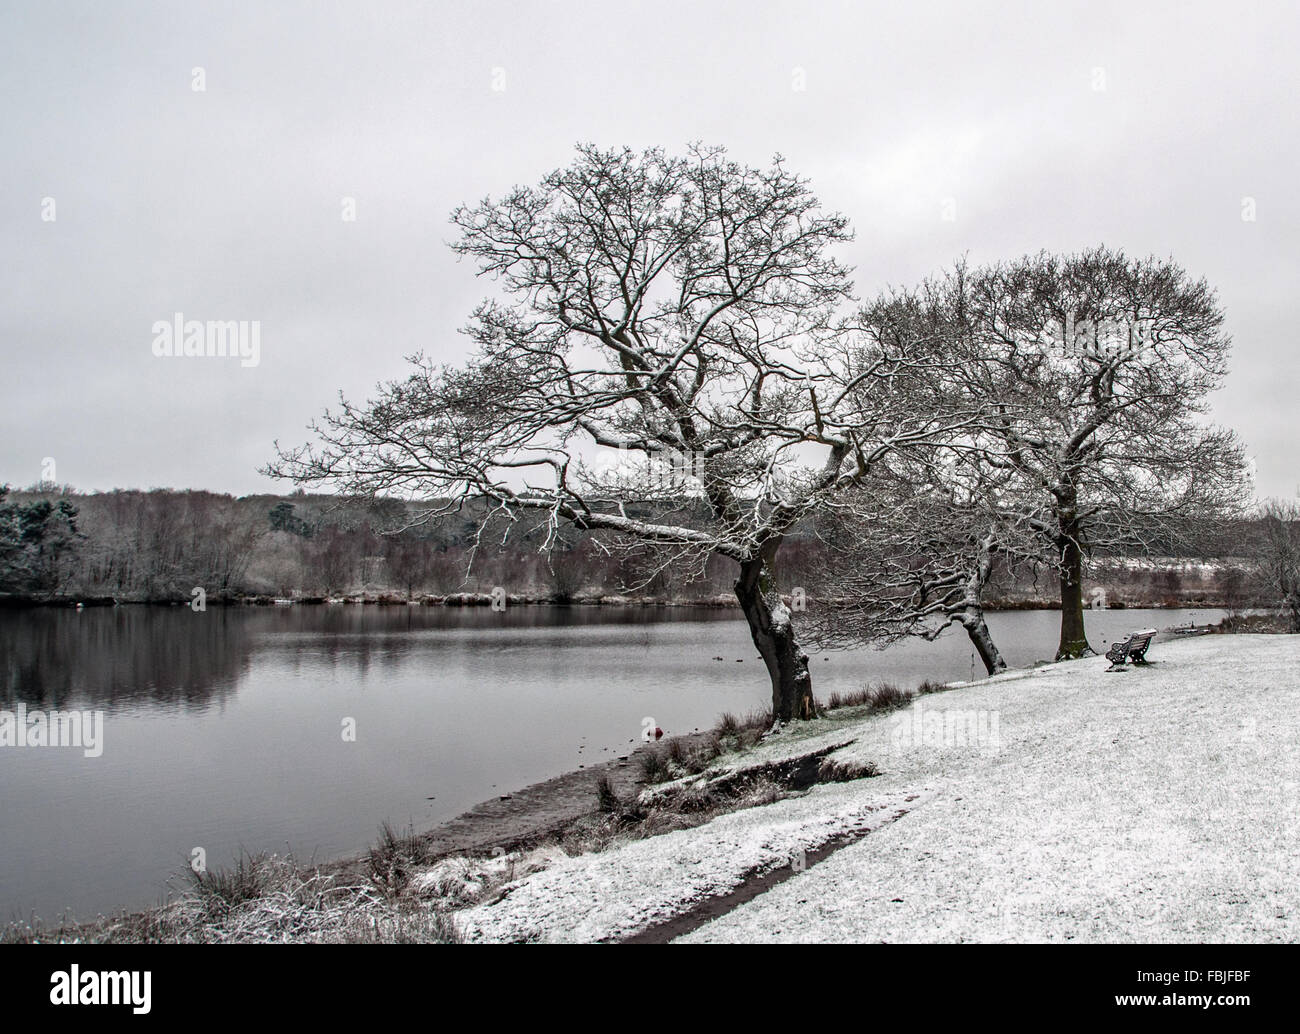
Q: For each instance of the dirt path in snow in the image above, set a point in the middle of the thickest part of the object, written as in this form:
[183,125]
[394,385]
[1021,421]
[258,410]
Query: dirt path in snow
[753,885]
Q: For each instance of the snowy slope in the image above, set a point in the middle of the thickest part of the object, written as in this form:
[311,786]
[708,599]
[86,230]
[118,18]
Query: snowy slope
[1156,804]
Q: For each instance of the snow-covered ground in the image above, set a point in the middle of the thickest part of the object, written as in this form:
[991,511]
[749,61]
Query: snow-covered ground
[1062,803]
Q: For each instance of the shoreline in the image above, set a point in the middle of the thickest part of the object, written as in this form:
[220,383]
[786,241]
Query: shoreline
[468,599]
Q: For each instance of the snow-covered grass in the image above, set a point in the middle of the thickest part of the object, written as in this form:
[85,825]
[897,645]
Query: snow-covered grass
[1061,803]
[267,899]
[589,898]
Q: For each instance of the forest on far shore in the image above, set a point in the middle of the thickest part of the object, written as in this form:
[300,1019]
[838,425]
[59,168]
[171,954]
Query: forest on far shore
[57,544]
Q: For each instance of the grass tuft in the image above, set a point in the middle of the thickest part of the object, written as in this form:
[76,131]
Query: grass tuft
[606,797]
[219,891]
[833,771]
[888,697]
[654,768]
[881,697]
[390,862]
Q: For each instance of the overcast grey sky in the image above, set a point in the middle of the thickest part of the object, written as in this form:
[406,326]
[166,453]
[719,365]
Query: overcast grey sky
[1143,126]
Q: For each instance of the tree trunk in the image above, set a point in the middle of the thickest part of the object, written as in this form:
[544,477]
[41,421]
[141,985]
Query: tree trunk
[973,621]
[1074,641]
[972,614]
[1293,606]
[772,630]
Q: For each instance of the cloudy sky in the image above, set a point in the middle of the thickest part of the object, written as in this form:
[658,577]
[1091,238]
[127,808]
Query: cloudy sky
[1150,127]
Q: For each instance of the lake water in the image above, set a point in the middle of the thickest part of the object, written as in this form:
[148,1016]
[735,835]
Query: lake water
[224,729]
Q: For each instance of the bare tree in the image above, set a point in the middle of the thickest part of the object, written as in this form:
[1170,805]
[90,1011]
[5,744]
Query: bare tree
[913,556]
[657,313]
[331,558]
[1097,368]
[223,536]
[1278,555]
[410,561]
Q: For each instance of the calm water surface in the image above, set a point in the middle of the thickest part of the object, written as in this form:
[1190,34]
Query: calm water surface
[224,729]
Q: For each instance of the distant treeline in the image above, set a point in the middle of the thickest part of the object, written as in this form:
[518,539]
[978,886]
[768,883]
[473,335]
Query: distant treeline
[158,545]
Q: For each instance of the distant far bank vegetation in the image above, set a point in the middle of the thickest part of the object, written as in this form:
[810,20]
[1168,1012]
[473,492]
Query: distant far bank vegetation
[156,546]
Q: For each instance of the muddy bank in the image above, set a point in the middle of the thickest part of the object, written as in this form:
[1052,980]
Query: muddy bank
[538,813]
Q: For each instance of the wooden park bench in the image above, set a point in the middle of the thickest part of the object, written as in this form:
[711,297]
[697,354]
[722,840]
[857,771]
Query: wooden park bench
[1133,648]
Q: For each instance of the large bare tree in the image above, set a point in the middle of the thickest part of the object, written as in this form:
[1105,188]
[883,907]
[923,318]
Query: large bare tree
[655,313]
[1096,367]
